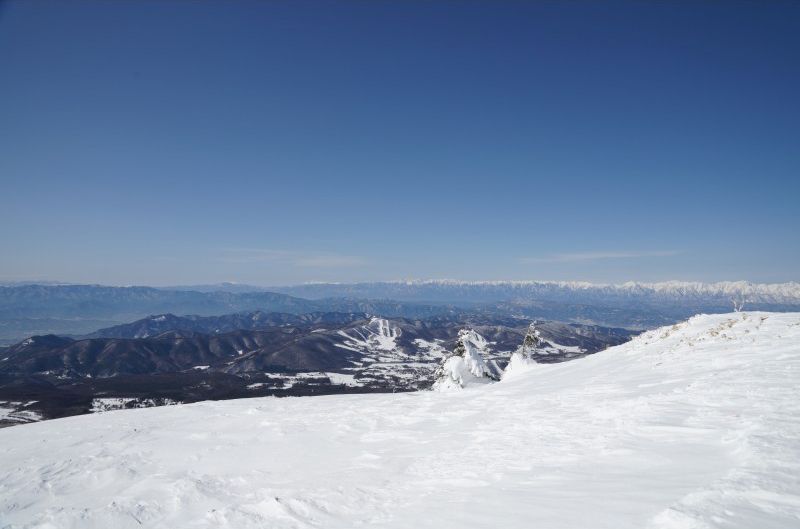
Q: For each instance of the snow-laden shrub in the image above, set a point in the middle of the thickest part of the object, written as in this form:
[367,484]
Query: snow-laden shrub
[466,365]
[522,358]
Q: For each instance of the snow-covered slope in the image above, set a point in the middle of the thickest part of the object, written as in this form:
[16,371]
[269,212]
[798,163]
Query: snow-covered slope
[691,426]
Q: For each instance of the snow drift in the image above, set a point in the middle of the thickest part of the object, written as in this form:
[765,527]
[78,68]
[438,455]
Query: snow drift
[690,426]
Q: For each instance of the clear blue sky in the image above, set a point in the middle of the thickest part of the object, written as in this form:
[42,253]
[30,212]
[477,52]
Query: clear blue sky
[155,142]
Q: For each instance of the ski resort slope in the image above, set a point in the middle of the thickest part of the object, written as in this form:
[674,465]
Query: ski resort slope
[691,426]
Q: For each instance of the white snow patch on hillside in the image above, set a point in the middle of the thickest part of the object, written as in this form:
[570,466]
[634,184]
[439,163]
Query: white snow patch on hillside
[691,426]
[12,412]
[309,378]
[430,350]
[558,349]
[378,335]
[103,404]
[342,379]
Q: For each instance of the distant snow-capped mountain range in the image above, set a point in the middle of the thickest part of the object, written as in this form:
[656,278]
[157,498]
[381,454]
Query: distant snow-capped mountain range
[568,291]
[492,290]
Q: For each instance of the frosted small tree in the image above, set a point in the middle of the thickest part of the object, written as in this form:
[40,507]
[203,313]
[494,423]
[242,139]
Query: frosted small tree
[523,356]
[532,340]
[465,365]
[738,304]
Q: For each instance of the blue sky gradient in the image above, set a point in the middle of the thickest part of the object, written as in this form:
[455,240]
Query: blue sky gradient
[279,142]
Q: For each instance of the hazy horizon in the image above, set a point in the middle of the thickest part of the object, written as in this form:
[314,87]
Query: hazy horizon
[396,280]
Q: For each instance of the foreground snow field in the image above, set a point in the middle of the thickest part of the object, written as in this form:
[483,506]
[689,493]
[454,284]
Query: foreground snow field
[691,426]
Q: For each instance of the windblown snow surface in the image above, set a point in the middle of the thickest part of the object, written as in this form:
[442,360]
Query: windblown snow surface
[690,426]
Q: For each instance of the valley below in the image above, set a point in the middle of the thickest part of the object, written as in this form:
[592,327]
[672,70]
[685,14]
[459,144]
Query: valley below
[166,359]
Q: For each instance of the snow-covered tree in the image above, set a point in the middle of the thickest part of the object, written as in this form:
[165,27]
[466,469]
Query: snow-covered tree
[738,304]
[466,365]
[532,340]
[523,356]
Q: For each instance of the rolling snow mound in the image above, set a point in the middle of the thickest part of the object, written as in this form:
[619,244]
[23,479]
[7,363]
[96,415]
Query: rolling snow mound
[695,425]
